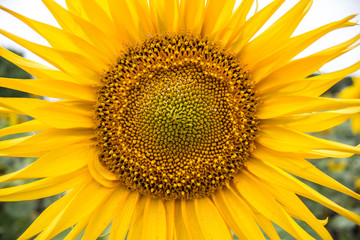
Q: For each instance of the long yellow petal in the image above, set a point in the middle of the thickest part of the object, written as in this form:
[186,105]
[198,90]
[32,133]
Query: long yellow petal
[267,227]
[313,122]
[210,220]
[237,215]
[295,45]
[77,230]
[276,35]
[55,163]
[272,174]
[139,23]
[95,14]
[154,220]
[216,15]
[203,220]
[137,220]
[300,68]
[82,28]
[69,62]
[34,68]
[170,218]
[40,143]
[65,19]
[300,167]
[123,216]
[296,208]
[192,13]
[257,196]
[165,14]
[76,210]
[54,114]
[291,104]
[103,214]
[42,221]
[51,88]
[62,39]
[181,233]
[313,86]
[191,222]
[237,20]
[286,140]
[43,188]
[29,126]
[244,33]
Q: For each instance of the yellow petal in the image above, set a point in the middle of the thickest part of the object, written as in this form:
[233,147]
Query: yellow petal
[137,220]
[272,174]
[123,216]
[210,220]
[291,104]
[77,230]
[237,20]
[40,143]
[293,47]
[257,196]
[69,62]
[313,86]
[54,114]
[82,28]
[205,222]
[181,232]
[244,33]
[296,208]
[62,39]
[267,227]
[237,215]
[74,211]
[217,14]
[50,88]
[170,219]
[99,172]
[29,126]
[300,68]
[55,163]
[93,12]
[138,23]
[65,19]
[355,124]
[34,68]
[50,213]
[165,14]
[285,140]
[299,167]
[154,220]
[313,122]
[43,188]
[192,13]
[276,35]
[103,214]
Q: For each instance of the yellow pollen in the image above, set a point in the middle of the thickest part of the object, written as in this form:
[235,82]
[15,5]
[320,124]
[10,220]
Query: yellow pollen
[176,117]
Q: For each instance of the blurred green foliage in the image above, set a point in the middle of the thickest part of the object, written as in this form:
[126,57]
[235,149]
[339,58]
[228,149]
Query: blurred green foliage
[15,217]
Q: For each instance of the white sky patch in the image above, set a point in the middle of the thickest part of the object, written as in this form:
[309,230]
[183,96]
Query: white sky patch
[321,13]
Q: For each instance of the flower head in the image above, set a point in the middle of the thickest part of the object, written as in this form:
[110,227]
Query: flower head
[176,120]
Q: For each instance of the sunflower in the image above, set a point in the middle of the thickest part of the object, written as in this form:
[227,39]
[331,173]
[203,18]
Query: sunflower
[353,92]
[176,120]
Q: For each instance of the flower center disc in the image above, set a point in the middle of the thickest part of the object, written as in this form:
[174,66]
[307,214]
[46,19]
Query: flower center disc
[175,117]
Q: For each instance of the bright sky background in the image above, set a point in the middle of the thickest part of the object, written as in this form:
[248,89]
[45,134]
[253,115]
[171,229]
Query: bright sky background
[322,12]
